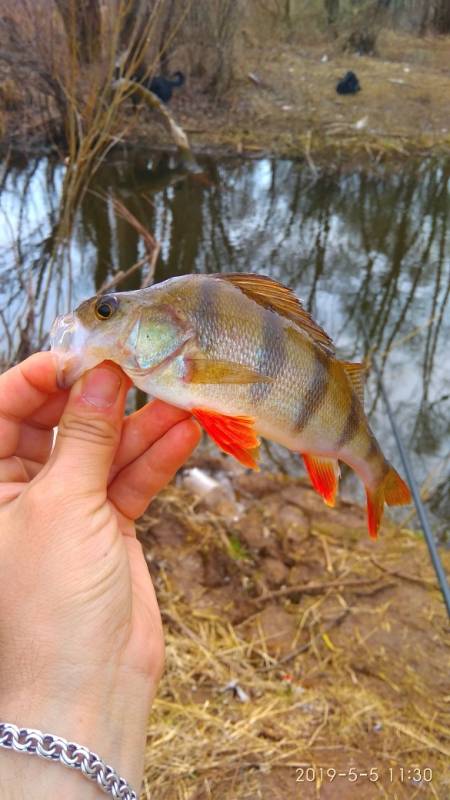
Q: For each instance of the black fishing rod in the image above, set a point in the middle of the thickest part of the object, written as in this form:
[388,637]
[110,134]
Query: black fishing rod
[420,508]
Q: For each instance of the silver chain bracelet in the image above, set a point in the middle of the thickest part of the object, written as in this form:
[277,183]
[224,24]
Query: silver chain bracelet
[75,756]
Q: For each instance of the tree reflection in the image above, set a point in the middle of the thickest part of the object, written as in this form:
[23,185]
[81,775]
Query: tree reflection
[367,250]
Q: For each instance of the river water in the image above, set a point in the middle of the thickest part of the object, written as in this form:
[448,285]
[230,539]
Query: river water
[368,251]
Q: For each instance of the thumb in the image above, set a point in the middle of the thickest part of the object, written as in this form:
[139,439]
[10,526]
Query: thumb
[89,429]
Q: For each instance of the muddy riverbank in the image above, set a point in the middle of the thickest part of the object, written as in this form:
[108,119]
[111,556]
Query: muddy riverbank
[296,647]
[294,109]
[282,101]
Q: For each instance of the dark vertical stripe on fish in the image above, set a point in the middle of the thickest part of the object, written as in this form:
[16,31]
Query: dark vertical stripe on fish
[351,423]
[272,356]
[316,391]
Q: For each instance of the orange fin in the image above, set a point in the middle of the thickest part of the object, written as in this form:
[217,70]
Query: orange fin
[324,474]
[396,491]
[375,505]
[205,370]
[356,374]
[273,295]
[234,435]
[393,491]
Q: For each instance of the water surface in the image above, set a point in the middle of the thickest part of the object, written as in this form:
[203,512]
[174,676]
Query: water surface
[367,251]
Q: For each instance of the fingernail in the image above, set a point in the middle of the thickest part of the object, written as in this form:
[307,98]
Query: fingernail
[101,387]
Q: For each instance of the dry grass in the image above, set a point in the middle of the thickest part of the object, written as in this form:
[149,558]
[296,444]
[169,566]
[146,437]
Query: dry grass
[339,648]
[10,95]
[295,111]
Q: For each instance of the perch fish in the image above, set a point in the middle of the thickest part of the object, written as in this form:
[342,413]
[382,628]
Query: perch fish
[247,360]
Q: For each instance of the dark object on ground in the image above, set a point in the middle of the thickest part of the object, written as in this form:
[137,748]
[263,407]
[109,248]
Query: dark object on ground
[159,85]
[349,84]
[163,87]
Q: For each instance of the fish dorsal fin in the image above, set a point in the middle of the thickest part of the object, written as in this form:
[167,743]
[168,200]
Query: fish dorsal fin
[356,373]
[273,295]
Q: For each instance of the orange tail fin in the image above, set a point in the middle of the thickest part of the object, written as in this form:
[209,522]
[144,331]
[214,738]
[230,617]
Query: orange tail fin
[394,491]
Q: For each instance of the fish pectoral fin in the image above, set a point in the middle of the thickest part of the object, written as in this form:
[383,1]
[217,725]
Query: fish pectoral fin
[234,435]
[206,370]
[356,374]
[324,474]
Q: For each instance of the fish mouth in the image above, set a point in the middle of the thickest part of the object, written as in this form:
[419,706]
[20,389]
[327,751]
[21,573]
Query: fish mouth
[68,341]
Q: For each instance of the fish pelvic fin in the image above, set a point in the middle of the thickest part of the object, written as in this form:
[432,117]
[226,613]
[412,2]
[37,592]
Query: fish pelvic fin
[234,435]
[324,474]
[393,490]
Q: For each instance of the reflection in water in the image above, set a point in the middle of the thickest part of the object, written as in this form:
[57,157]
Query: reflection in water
[367,251]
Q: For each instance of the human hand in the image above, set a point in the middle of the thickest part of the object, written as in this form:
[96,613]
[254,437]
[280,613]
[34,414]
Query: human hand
[80,632]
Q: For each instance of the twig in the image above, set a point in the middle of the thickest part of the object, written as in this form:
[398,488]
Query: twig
[431,744]
[175,130]
[403,576]
[148,279]
[314,588]
[210,655]
[308,156]
[121,276]
[303,647]
[152,246]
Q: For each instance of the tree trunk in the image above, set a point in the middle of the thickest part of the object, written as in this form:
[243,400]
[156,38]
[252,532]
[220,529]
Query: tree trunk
[145,31]
[441,16]
[332,9]
[82,23]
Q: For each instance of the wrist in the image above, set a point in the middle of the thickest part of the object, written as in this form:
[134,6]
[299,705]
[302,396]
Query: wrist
[107,715]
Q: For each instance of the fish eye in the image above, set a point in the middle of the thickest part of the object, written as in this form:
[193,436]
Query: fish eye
[106,306]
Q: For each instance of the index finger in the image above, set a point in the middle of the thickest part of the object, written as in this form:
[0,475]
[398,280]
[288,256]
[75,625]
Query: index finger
[24,389]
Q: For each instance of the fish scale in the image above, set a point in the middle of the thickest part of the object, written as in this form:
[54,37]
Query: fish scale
[245,358]
[229,326]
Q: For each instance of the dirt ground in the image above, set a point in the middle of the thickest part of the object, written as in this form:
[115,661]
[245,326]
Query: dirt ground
[282,100]
[293,109]
[297,648]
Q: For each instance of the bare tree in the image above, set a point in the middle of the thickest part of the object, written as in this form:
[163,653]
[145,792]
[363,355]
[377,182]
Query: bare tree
[435,16]
[212,29]
[441,16]
[332,11]
[82,23]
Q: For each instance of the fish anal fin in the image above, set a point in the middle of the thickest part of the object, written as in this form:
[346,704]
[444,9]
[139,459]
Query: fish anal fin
[274,296]
[324,474]
[356,374]
[205,370]
[396,491]
[234,435]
